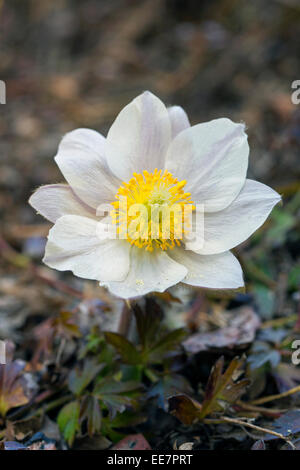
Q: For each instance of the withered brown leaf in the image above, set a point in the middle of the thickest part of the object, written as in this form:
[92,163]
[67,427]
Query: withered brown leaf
[12,386]
[185,408]
[222,390]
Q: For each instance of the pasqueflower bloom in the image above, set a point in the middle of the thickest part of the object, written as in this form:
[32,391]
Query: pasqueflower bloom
[153,157]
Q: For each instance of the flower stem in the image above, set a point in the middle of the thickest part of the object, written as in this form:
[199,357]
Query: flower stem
[125,319]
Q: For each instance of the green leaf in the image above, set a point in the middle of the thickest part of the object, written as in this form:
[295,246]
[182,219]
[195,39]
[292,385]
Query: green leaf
[116,403]
[90,410]
[132,372]
[112,387]
[169,385]
[168,342]
[148,321]
[116,395]
[126,419]
[125,348]
[79,380]
[68,421]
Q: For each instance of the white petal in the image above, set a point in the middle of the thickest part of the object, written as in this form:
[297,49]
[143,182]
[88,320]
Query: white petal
[221,271]
[179,120]
[228,228]
[213,158]
[55,200]
[148,272]
[139,137]
[77,244]
[88,139]
[81,159]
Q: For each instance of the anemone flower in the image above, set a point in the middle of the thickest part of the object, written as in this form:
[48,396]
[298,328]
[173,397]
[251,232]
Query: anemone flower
[152,158]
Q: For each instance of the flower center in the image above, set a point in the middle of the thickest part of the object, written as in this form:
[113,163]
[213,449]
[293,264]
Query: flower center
[152,210]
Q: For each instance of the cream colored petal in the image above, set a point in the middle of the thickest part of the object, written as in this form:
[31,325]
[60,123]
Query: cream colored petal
[221,271]
[179,120]
[55,200]
[212,157]
[139,137]
[148,272]
[81,245]
[81,159]
[228,228]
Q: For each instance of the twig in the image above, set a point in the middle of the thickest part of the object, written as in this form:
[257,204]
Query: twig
[239,422]
[54,404]
[279,321]
[259,409]
[291,391]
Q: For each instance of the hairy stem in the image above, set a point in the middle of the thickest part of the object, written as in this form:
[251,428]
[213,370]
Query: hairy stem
[125,319]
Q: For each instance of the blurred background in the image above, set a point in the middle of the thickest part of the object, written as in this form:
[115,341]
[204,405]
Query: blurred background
[73,63]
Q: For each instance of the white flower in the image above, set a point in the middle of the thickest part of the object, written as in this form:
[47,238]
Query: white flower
[203,166]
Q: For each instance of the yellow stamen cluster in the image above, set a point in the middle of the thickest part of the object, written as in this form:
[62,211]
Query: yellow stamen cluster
[152,210]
